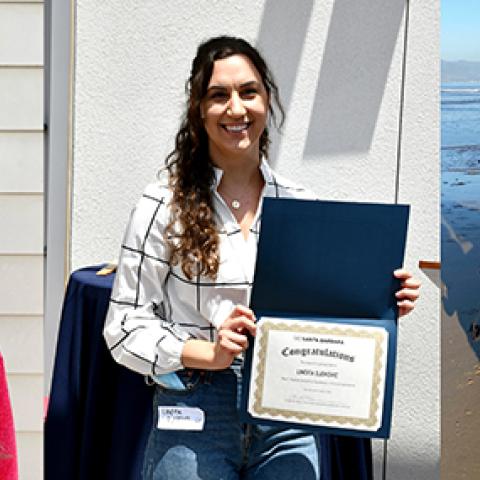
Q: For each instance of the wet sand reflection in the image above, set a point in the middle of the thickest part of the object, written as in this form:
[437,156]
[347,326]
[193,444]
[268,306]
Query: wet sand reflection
[460,324]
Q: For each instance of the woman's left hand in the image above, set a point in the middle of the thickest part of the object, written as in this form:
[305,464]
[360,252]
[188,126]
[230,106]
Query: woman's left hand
[409,292]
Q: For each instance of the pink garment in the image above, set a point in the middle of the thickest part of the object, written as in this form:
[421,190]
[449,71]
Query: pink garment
[8,451]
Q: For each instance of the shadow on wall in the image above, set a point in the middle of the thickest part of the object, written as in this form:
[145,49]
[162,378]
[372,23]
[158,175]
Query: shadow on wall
[406,469]
[357,58]
[356,61]
[282,46]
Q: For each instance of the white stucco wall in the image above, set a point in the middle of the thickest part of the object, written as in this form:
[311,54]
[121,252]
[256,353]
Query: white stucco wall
[338,64]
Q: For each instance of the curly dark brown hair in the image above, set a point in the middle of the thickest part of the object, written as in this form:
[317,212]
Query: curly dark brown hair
[192,234]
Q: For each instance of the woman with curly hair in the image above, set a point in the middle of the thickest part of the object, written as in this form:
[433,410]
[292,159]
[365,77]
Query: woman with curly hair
[179,308]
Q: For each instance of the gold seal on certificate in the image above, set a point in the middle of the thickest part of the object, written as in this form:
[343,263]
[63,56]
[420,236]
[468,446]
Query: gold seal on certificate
[319,373]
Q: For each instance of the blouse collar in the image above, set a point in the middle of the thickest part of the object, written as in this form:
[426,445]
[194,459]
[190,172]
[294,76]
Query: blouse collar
[264,169]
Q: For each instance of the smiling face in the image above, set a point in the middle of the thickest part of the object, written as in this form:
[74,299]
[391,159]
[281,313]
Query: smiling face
[234,110]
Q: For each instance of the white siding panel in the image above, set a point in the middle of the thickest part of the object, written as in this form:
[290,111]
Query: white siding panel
[21,344]
[21,34]
[21,98]
[26,395]
[22,224]
[21,160]
[21,285]
[30,456]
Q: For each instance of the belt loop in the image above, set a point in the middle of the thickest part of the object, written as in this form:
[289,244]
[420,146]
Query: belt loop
[206,376]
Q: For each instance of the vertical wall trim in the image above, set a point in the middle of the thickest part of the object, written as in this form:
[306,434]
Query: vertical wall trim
[58,107]
[399,158]
[71,86]
[402,98]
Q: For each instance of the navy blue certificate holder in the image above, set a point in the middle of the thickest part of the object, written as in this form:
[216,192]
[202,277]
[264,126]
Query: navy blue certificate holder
[330,262]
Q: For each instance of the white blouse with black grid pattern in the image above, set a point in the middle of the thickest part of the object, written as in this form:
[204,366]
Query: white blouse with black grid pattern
[154,308]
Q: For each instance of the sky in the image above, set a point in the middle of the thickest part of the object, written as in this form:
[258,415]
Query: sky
[460,30]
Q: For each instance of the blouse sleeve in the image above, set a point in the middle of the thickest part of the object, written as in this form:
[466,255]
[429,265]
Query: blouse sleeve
[138,329]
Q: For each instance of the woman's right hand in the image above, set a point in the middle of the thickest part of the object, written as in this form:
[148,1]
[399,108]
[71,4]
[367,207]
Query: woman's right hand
[232,339]
[232,336]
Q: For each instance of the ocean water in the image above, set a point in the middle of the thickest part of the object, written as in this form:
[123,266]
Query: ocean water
[460,165]
[460,122]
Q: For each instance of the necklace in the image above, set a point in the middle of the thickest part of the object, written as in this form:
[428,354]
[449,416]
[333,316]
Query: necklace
[243,197]
[231,201]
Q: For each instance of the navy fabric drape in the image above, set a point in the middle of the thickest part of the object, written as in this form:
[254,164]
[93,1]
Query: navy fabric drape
[100,414]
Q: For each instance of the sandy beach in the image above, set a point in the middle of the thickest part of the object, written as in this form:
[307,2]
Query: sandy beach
[460,324]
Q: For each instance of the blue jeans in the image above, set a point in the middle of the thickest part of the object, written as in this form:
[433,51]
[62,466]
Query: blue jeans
[225,449]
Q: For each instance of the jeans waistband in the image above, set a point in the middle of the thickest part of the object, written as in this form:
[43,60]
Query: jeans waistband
[172,380]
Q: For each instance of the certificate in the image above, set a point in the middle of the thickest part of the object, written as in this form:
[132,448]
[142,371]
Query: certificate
[324,294]
[319,373]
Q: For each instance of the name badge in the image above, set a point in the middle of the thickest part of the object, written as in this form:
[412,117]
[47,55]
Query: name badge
[180,418]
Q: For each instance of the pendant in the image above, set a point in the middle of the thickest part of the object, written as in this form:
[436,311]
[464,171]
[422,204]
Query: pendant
[235,204]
